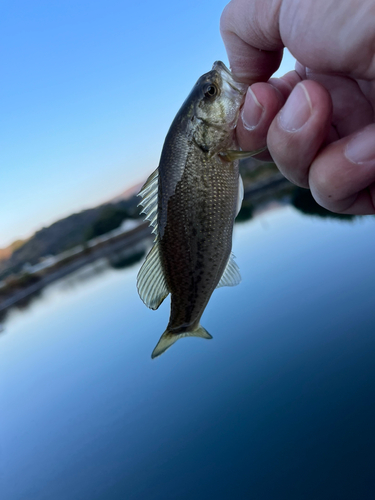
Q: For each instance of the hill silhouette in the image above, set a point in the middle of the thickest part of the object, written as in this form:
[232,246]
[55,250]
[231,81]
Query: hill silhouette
[66,233]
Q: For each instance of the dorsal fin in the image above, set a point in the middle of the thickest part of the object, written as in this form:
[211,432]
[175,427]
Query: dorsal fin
[149,201]
[151,284]
[231,275]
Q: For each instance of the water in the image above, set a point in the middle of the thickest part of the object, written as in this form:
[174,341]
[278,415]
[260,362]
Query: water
[280,404]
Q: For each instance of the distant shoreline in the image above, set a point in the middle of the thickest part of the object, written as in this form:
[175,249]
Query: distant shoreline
[128,240]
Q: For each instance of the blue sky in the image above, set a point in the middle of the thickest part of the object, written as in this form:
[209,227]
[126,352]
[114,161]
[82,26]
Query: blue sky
[88,91]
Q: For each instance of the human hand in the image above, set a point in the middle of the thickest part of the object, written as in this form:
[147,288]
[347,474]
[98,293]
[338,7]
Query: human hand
[318,121]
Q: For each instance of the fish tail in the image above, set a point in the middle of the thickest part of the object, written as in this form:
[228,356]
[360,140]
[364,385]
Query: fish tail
[168,338]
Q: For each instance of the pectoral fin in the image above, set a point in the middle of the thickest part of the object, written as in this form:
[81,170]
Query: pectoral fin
[241,192]
[233,154]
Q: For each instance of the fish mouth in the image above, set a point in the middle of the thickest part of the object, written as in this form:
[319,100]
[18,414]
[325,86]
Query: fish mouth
[227,76]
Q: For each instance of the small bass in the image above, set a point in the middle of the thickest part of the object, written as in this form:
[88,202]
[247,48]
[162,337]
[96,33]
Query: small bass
[191,200]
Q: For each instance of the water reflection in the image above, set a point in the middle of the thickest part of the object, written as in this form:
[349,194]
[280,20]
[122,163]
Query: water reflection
[302,200]
[283,391]
[124,260]
[119,259]
[246,212]
[21,305]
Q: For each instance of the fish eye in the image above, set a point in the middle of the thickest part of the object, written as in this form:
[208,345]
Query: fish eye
[210,90]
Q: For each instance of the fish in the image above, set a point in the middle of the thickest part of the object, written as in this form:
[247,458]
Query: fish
[191,201]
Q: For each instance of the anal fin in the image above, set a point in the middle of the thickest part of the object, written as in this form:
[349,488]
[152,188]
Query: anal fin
[231,275]
[151,284]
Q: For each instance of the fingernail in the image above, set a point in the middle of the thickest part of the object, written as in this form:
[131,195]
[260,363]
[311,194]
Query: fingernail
[361,148]
[297,109]
[252,111]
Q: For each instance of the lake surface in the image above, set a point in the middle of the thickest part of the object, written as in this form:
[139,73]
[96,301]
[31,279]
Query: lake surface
[279,405]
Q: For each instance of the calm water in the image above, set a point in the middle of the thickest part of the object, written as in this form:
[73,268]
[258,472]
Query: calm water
[279,405]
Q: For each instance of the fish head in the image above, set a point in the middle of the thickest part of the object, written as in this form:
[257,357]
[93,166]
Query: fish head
[217,99]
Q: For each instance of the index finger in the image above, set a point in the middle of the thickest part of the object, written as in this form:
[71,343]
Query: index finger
[250,31]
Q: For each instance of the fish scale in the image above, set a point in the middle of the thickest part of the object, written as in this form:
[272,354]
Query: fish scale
[197,239]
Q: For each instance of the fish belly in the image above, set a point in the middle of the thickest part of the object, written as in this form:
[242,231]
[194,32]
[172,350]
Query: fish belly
[197,239]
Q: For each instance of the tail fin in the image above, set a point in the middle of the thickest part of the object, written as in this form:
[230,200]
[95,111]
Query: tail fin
[168,339]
